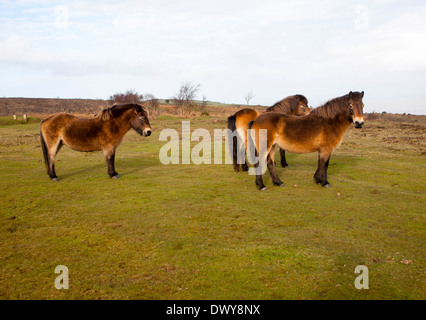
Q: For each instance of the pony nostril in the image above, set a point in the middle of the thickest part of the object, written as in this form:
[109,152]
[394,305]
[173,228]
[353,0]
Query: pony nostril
[148,133]
[359,124]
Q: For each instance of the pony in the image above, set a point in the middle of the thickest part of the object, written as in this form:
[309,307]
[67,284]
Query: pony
[103,132]
[293,105]
[322,131]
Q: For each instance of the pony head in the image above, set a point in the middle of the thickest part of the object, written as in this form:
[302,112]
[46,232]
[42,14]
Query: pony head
[140,122]
[356,108]
[302,107]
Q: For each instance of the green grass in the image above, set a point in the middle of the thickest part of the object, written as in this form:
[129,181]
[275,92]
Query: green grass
[204,232]
[4,121]
[166,117]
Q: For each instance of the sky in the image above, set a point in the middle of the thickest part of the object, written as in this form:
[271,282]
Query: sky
[321,49]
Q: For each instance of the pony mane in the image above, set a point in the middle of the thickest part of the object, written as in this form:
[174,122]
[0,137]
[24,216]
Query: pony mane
[286,105]
[334,107]
[108,113]
[104,114]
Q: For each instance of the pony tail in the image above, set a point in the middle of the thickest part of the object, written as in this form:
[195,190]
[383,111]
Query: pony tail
[233,145]
[44,148]
[251,146]
[250,124]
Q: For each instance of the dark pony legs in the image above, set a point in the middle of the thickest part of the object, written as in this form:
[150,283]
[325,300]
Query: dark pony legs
[110,158]
[284,163]
[271,168]
[321,173]
[51,167]
[49,155]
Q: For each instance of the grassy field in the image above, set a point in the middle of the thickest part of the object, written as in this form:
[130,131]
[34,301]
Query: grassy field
[204,232]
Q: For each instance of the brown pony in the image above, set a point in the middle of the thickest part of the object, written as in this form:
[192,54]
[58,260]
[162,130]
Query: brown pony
[296,105]
[322,130]
[103,132]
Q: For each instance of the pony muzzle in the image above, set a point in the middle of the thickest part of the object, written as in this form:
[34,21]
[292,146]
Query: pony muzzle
[147,132]
[358,122]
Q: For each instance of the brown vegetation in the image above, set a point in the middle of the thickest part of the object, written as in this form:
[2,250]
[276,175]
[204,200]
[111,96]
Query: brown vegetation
[41,108]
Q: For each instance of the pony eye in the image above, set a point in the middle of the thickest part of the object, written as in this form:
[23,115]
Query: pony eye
[351,106]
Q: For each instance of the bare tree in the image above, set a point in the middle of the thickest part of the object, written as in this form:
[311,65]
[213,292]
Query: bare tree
[249,96]
[184,98]
[153,104]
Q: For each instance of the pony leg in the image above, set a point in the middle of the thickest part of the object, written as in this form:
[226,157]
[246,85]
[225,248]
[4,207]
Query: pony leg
[244,166]
[244,154]
[259,179]
[51,167]
[235,155]
[50,146]
[233,141]
[321,173]
[271,168]
[241,160]
[109,155]
[284,163]
[51,154]
[240,150]
[261,153]
[258,168]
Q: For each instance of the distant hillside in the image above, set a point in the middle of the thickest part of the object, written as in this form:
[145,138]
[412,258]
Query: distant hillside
[18,106]
[44,106]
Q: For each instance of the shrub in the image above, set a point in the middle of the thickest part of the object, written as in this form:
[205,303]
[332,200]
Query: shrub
[130,96]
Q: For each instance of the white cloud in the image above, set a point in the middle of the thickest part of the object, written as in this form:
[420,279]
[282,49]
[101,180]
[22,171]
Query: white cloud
[396,45]
[16,50]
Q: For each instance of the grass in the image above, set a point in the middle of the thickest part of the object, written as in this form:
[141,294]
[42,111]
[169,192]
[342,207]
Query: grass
[204,232]
[4,121]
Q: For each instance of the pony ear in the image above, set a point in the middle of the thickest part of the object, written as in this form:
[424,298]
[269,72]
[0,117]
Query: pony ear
[362,94]
[135,109]
[351,94]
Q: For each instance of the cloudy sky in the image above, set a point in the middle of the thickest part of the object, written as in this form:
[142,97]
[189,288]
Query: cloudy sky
[322,49]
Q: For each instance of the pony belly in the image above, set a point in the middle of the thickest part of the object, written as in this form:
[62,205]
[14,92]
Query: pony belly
[78,148]
[84,138]
[82,145]
[297,146]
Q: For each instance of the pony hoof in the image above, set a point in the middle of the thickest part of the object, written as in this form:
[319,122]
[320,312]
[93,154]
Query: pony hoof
[281,185]
[285,166]
[263,189]
[327,185]
[55,179]
[115,177]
